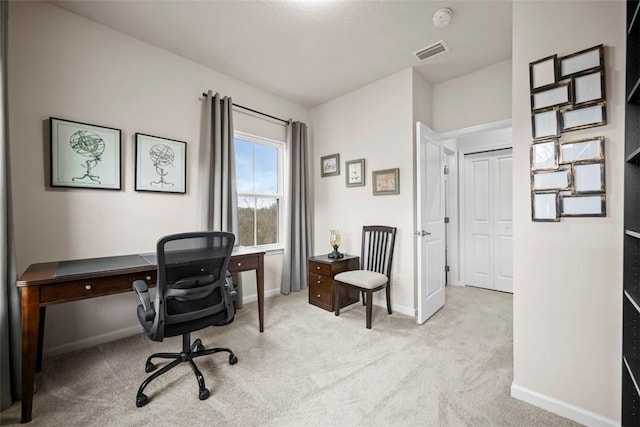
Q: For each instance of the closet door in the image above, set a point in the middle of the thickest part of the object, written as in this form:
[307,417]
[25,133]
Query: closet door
[488,260]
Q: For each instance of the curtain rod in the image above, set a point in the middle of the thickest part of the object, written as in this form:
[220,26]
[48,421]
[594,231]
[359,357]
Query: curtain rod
[255,111]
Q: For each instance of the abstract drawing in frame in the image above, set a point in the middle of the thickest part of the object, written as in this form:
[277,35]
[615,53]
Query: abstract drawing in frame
[84,155]
[161,164]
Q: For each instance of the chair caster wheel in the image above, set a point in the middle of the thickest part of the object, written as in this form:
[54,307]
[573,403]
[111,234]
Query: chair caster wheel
[204,394]
[141,400]
[149,367]
[233,359]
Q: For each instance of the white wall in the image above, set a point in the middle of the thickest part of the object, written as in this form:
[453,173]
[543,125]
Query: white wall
[476,98]
[568,275]
[375,123]
[66,66]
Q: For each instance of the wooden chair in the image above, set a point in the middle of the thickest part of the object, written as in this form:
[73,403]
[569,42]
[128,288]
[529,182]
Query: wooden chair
[375,268]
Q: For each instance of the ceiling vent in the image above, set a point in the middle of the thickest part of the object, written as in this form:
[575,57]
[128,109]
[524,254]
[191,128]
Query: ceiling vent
[431,51]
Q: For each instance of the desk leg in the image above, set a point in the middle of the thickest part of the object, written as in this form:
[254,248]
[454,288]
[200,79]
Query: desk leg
[43,313]
[30,327]
[260,291]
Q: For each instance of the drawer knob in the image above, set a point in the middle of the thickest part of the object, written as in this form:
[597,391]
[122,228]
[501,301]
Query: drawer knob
[318,268]
[149,278]
[318,296]
[318,281]
[239,264]
[88,286]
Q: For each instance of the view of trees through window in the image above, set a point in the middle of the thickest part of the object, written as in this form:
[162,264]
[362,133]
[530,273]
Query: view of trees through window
[257,175]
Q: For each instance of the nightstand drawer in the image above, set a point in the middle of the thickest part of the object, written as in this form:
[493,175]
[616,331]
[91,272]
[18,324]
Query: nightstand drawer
[81,289]
[319,280]
[320,295]
[320,268]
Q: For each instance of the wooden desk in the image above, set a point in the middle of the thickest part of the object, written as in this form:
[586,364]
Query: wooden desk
[40,287]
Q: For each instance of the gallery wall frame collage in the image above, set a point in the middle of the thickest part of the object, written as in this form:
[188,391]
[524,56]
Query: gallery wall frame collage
[567,176]
[384,182]
[84,155]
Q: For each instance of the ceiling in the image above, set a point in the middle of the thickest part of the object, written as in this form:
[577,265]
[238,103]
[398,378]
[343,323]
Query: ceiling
[313,51]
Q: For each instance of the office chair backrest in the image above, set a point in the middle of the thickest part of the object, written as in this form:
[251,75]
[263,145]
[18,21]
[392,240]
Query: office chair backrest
[191,281]
[377,248]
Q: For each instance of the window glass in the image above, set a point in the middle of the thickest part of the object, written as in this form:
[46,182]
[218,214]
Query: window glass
[258,175]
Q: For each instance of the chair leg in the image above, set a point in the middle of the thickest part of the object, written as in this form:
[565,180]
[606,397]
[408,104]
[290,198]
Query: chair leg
[364,300]
[369,308]
[388,291]
[336,299]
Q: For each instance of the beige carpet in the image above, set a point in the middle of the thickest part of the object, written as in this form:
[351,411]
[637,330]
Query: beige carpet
[308,368]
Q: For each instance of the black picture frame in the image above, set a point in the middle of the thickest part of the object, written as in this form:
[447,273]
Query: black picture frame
[84,155]
[160,164]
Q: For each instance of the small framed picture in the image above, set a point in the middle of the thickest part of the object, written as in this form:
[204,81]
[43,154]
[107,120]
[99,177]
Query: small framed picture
[84,155]
[546,124]
[355,173]
[330,165]
[161,164]
[543,72]
[386,182]
[578,62]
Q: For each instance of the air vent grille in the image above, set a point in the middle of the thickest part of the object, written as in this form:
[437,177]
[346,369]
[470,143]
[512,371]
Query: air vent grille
[431,51]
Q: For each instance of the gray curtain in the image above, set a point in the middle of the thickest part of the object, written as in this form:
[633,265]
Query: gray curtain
[297,246]
[220,210]
[10,332]
[221,195]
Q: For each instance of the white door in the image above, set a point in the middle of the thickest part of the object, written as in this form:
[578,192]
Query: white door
[430,233]
[489,220]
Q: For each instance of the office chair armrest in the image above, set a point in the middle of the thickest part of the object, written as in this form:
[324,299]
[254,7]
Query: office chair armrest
[142,290]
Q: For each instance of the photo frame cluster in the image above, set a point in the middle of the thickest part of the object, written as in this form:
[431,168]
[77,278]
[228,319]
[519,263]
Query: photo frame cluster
[84,155]
[567,179]
[384,182]
[567,94]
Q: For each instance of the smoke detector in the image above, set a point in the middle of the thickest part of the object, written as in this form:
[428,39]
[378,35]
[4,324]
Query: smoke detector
[442,17]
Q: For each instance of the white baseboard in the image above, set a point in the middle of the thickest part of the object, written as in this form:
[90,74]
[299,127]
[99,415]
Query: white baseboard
[123,333]
[400,309]
[561,408]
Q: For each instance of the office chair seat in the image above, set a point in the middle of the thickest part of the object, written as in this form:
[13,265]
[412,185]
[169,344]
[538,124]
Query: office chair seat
[362,278]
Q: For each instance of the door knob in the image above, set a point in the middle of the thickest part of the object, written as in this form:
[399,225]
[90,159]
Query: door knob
[422,233]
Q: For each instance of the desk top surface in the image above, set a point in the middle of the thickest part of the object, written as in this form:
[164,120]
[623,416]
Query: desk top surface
[57,271]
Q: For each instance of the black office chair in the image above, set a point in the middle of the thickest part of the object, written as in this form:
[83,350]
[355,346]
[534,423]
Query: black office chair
[375,268]
[191,294]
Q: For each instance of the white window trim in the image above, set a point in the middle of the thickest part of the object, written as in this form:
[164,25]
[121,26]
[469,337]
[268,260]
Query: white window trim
[282,147]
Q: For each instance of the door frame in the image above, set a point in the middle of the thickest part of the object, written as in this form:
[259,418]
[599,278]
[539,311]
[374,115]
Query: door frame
[461,189]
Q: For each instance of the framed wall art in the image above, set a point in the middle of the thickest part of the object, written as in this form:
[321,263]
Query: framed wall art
[543,72]
[386,182]
[161,164]
[588,87]
[546,124]
[588,205]
[576,118]
[556,95]
[330,165]
[355,173]
[544,155]
[544,207]
[579,62]
[582,150]
[84,155]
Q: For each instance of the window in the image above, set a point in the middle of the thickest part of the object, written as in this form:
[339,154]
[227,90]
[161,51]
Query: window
[259,181]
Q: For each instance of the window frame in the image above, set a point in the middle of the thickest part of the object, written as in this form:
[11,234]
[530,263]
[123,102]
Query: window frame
[281,147]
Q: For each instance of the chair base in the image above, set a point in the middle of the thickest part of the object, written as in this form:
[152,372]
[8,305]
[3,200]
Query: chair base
[367,299]
[189,352]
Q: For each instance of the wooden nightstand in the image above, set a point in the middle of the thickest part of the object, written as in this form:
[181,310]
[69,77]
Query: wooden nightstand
[322,269]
